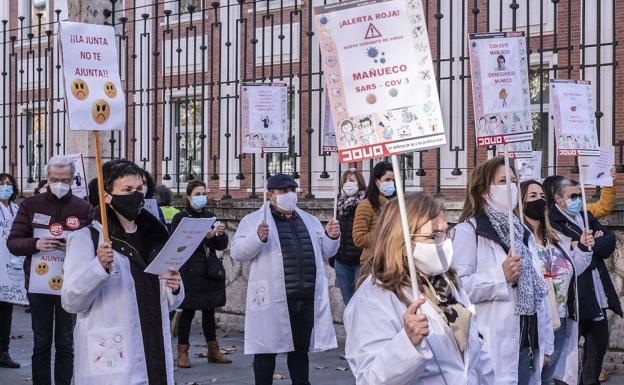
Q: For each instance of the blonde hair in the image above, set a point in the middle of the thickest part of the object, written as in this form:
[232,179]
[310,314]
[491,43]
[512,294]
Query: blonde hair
[388,266]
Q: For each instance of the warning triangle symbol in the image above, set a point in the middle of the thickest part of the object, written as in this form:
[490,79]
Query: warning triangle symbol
[372,32]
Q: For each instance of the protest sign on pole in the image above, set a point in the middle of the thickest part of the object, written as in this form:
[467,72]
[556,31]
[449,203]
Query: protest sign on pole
[598,170]
[500,91]
[46,267]
[379,77]
[381,85]
[530,168]
[93,93]
[80,183]
[264,122]
[575,123]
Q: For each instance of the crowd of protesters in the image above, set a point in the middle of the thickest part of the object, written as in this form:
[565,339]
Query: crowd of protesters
[487,311]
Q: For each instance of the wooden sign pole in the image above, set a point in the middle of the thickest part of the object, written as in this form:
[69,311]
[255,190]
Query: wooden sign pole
[100,178]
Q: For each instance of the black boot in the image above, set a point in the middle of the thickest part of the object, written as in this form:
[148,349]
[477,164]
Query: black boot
[7,362]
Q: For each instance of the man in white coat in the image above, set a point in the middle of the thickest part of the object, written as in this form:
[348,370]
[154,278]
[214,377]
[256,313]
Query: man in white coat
[287,295]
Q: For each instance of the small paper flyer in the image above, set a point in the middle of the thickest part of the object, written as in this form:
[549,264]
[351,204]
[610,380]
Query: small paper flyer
[530,168]
[599,168]
[152,207]
[80,184]
[46,267]
[181,245]
[93,93]
[264,118]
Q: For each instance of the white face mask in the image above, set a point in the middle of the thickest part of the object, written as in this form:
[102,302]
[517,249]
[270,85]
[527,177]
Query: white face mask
[498,200]
[350,188]
[287,202]
[433,259]
[59,189]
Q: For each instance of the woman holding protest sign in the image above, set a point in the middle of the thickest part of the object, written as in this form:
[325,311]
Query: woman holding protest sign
[122,328]
[204,278]
[346,262]
[395,339]
[8,209]
[381,188]
[504,284]
[563,260]
[596,291]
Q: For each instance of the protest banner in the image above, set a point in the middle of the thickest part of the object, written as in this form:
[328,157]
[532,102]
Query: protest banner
[530,168]
[381,85]
[93,93]
[329,131]
[46,267]
[80,185]
[598,170]
[264,121]
[181,245]
[574,122]
[500,92]
[379,76]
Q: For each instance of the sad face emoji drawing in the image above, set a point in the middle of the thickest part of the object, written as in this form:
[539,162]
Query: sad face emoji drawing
[100,111]
[41,268]
[79,89]
[56,283]
[110,90]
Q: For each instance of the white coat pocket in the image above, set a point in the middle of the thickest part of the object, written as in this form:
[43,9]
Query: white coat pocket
[107,350]
[259,295]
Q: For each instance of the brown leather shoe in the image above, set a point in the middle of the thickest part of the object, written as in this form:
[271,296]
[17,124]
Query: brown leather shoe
[603,376]
[183,357]
[215,355]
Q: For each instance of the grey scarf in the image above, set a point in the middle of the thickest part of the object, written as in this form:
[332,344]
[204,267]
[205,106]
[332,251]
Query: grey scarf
[531,288]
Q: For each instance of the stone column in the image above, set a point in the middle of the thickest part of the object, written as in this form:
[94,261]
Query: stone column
[81,142]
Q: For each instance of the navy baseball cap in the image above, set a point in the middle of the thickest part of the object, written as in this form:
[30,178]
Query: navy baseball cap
[281,182]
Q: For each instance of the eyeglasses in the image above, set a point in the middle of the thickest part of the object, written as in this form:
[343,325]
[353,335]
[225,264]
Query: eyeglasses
[437,236]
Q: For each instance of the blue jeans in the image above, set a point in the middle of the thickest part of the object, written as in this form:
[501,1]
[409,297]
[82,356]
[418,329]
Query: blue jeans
[346,275]
[560,337]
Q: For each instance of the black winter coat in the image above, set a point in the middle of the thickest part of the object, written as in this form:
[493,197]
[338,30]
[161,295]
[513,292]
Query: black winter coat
[348,253]
[201,290]
[603,248]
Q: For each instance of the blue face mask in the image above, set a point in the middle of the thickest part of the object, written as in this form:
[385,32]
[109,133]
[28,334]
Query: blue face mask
[574,206]
[199,201]
[387,188]
[6,192]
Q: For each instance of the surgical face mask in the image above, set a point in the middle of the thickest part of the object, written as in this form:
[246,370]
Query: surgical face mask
[350,188]
[199,201]
[6,192]
[433,258]
[287,202]
[498,198]
[59,189]
[387,188]
[535,209]
[574,206]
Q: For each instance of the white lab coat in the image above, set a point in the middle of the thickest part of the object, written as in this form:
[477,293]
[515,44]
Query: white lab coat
[481,271]
[107,317]
[380,352]
[567,366]
[267,323]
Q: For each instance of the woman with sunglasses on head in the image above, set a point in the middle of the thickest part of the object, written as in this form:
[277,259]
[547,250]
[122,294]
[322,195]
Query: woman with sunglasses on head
[396,339]
[596,292]
[562,261]
[505,285]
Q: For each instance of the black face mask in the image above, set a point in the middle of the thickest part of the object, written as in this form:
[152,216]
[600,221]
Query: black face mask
[535,209]
[128,206]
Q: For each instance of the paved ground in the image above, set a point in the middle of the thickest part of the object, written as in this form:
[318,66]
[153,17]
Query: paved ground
[325,368]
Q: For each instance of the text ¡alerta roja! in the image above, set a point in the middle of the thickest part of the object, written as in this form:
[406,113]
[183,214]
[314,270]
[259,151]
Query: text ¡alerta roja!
[369,18]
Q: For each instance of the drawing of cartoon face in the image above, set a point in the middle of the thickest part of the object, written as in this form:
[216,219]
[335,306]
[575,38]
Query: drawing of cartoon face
[493,125]
[100,111]
[110,90]
[346,127]
[41,268]
[55,283]
[79,89]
